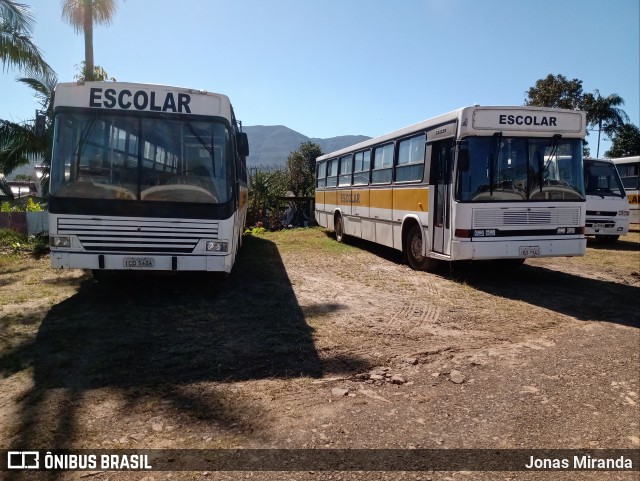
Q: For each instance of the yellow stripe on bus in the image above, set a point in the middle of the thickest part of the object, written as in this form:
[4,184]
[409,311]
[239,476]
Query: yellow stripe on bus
[411,199]
[416,200]
[381,198]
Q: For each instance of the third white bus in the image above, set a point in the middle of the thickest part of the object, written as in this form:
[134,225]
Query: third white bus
[607,205]
[629,169]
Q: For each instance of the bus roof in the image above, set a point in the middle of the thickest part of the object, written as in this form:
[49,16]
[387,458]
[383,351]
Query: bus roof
[482,120]
[141,98]
[626,160]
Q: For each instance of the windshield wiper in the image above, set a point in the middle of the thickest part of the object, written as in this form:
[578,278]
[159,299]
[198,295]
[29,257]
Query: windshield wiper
[555,141]
[493,158]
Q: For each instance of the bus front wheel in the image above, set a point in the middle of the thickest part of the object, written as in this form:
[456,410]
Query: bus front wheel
[414,252]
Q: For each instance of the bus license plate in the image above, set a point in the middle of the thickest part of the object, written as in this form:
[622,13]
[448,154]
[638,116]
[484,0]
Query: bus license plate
[598,226]
[531,251]
[138,262]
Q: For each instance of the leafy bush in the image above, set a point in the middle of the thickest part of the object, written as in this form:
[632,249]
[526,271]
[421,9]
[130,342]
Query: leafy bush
[255,231]
[11,241]
[30,206]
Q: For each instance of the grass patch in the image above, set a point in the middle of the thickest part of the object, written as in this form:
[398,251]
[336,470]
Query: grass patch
[310,239]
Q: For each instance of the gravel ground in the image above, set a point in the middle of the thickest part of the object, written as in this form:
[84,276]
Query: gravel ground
[314,344]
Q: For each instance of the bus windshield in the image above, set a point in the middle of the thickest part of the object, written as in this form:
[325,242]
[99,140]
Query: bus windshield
[601,178]
[521,169]
[104,155]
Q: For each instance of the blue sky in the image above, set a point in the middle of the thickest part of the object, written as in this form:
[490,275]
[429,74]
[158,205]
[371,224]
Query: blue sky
[336,67]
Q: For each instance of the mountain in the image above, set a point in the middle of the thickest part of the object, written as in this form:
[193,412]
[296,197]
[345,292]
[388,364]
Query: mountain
[270,145]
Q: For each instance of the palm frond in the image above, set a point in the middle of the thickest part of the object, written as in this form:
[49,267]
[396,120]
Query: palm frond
[43,85]
[17,15]
[102,12]
[17,49]
[19,145]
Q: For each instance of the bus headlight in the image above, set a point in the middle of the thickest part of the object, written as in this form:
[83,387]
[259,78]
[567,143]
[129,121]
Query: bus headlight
[484,232]
[562,230]
[60,241]
[571,230]
[623,212]
[217,246]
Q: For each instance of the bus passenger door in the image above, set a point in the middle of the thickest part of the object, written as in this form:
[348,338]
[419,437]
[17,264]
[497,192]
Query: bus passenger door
[440,183]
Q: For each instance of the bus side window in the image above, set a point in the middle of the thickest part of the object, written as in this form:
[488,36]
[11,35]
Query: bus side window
[382,171]
[427,164]
[362,161]
[332,173]
[321,175]
[410,166]
[346,169]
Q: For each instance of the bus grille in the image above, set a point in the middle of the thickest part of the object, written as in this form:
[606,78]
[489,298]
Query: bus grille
[497,218]
[138,236]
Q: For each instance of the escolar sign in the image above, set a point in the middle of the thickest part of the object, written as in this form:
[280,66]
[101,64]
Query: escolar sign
[139,100]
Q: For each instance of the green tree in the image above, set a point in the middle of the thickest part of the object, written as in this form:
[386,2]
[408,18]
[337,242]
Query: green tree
[301,166]
[265,186]
[626,142]
[556,91]
[18,142]
[16,46]
[81,15]
[603,113]
[99,74]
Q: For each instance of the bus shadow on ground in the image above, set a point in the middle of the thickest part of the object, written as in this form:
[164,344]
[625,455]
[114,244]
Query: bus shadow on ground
[584,298]
[387,253]
[619,245]
[161,336]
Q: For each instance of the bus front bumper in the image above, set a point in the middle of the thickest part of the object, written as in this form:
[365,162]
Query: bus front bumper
[525,248]
[141,262]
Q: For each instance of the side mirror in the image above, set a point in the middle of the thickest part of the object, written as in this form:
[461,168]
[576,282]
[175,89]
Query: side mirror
[40,125]
[243,144]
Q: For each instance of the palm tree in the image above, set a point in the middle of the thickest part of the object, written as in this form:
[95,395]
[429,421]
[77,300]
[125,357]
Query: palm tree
[604,112]
[82,14]
[18,142]
[16,46]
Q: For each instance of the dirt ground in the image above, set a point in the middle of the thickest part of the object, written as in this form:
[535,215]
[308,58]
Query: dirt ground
[314,344]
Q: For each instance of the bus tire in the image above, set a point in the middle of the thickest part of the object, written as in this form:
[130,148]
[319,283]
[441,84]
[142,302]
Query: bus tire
[413,250]
[338,226]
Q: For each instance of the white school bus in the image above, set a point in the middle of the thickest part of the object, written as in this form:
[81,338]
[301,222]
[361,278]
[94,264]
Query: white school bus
[145,178]
[629,169]
[476,183]
[607,205]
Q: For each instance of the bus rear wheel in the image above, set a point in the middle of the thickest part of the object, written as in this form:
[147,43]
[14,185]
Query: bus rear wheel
[413,250]
[338,226]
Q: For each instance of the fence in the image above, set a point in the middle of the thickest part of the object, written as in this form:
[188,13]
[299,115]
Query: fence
[25,223]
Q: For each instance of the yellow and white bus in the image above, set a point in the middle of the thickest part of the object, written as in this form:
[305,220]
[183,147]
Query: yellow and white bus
[475,183]
[629,170]
[145,178]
